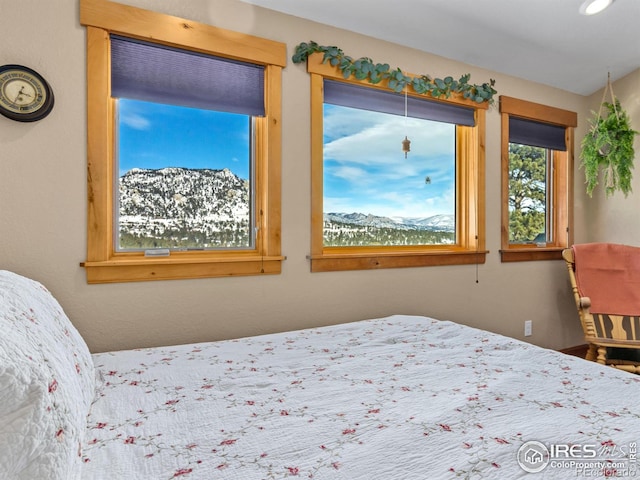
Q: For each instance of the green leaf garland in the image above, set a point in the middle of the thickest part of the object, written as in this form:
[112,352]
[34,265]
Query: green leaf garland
[365,69]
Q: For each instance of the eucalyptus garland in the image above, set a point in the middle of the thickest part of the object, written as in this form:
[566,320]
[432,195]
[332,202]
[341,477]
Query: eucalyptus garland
[609,146]
[365,69]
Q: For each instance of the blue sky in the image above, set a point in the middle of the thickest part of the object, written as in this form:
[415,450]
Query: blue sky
[365,170]
[157,136]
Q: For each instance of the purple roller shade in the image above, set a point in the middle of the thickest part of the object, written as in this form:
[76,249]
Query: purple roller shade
[349,95]
[536,134]
[156,73]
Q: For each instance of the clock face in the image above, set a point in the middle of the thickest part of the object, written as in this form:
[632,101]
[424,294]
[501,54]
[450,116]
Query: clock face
[24,94]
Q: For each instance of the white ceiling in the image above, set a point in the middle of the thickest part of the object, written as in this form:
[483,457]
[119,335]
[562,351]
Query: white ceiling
[547,41]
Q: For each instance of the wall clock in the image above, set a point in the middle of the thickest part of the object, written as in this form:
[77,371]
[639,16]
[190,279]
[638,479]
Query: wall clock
[25,95]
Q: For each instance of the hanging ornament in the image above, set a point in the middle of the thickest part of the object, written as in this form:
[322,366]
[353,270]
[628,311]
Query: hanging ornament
[406,143]
[406,146]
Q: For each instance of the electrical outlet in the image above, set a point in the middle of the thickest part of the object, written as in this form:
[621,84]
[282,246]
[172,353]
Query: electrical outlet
[528,325]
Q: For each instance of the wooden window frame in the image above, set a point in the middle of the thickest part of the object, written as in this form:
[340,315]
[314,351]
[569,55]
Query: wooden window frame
[104,264]
[562,176]
[470,196]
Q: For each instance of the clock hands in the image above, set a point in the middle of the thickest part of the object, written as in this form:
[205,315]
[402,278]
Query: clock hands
[20,94]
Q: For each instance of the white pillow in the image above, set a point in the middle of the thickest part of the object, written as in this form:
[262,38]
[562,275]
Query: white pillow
[47,384]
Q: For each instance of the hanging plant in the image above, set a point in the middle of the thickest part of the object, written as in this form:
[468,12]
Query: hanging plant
[365,69]
[609,147]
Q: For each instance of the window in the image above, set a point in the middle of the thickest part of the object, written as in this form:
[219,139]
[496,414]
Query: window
[537,167]
[371,206]
[183,172]
[184,148]
[177,198]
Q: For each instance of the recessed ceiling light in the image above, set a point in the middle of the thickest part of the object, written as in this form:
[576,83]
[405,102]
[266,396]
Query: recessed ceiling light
[591,7]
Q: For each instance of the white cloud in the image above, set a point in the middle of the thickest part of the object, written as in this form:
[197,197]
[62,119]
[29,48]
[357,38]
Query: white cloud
[135,121]
[366,171]
[351,174]
[377,139]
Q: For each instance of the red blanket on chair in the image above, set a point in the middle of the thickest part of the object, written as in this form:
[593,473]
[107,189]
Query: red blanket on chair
[609,274]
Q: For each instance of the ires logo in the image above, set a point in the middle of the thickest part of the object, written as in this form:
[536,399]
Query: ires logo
[573,451]
[533,456]
[607,458]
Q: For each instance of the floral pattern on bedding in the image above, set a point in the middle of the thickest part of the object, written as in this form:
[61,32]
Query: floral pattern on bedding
[47,384]
[394,398]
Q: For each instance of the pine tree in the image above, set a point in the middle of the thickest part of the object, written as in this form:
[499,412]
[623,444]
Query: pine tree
[527,192]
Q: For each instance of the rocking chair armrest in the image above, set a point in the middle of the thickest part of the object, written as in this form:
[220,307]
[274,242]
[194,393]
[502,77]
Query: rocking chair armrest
[611,342]
[585,302]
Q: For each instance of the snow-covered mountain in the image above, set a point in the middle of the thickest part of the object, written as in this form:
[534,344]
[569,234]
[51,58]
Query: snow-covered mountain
[442,223]
[174,203]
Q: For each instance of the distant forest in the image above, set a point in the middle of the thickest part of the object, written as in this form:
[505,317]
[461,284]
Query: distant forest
[350,235]
[231,238]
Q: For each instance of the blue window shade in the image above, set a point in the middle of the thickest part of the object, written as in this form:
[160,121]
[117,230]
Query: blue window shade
[365,98]
[160,74]
[536,134]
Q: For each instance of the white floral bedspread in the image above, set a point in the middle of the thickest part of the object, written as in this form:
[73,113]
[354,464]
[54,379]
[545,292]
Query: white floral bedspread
[388,399]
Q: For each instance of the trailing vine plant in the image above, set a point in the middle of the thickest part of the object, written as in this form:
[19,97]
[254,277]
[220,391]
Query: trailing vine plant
[609,146]
[365,69]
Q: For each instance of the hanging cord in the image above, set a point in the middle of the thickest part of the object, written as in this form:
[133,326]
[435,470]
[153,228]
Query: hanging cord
[607,89]
[610,172]
[613,97]
[477,239]
[476,222]
[477,259]
[258,240]
[406,143]
[405,106]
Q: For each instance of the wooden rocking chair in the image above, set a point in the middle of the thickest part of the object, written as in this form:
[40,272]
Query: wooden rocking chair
[612,331]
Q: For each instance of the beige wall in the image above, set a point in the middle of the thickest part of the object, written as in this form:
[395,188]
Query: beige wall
[43,206]
[615,219]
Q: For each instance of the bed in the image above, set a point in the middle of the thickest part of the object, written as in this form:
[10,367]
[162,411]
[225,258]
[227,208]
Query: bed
[401,397]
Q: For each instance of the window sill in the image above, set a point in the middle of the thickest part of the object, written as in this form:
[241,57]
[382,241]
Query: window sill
[529,254]
[372,261]
[141,269]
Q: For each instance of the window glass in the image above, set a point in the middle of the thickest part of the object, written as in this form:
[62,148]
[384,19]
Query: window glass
[185,178]
[528,194]
[373,195]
